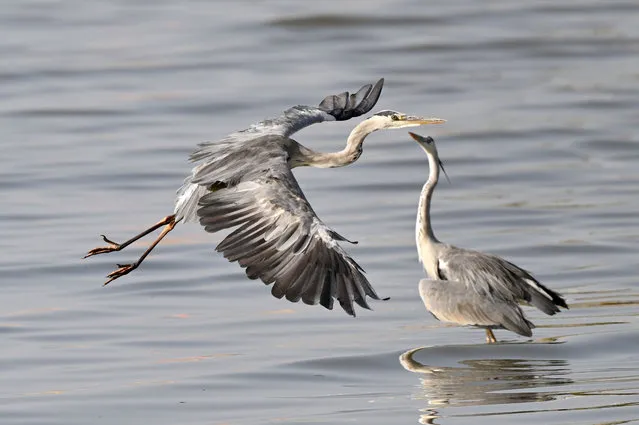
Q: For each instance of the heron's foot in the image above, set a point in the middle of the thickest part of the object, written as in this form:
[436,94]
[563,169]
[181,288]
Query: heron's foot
[121,271]
[113,246]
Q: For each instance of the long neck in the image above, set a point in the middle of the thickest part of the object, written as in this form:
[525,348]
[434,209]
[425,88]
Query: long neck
[346,156]
[424,230]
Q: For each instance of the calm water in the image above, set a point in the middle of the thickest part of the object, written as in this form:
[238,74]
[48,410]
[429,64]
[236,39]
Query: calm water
[102,103]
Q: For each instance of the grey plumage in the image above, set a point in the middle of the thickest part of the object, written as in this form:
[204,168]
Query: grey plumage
[469,287]
[280,239]
[472,304]
[497,274]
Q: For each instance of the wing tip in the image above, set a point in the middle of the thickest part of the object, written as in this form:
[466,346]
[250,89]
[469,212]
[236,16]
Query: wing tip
[341,106]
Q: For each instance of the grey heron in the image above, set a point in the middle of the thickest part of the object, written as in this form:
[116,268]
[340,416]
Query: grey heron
[470,287]
[244,181]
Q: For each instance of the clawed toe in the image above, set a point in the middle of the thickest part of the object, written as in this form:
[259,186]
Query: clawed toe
[100,250]
[113,246]
[109,241]
[121,271]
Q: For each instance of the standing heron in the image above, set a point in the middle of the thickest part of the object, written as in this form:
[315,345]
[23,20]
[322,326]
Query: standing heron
[244,181]
[470,287]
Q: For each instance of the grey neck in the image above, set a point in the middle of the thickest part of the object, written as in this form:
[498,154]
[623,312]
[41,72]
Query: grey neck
[424,229]
[348,155]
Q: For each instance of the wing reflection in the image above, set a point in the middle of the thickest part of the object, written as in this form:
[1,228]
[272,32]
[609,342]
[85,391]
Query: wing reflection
[484,382]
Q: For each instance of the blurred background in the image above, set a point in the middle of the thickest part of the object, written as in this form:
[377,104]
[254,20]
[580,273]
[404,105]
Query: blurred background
[103,101]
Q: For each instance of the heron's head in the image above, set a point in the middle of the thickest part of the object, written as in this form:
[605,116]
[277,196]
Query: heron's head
[428,144]
[392,119]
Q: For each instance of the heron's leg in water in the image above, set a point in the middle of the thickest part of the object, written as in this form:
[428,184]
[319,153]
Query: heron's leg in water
[114,246]
[490,336]
[126,268]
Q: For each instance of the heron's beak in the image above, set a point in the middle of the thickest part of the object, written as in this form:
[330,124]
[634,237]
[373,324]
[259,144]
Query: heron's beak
[414,120]
[421,139]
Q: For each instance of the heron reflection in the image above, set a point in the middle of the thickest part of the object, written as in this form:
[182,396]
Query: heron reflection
[483,381]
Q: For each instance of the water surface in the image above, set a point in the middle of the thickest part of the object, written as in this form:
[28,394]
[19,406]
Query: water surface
[102,103]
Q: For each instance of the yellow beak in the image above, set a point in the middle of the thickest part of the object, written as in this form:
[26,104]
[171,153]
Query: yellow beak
[423,120]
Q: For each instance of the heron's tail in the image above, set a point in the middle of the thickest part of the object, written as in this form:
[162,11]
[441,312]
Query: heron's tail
[545,299]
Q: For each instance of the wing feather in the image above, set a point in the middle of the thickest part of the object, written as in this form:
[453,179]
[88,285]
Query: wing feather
[300,276]
[328,291]
[249,231]
[313,294]
[489,274]
[279,239]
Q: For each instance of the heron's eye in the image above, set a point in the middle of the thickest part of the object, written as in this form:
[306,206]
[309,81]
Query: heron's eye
[395,117]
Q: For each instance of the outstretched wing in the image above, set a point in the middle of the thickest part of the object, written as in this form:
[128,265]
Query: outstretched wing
[497,277]
[280,239]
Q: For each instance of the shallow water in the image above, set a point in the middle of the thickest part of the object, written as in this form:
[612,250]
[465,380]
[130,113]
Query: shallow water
[102,104]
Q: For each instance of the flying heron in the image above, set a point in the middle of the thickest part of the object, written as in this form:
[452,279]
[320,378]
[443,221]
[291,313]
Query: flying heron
[470,287]
[244,181]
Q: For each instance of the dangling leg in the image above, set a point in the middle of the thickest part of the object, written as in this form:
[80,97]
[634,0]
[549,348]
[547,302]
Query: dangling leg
[490,336]
[113,246]
[127,268]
